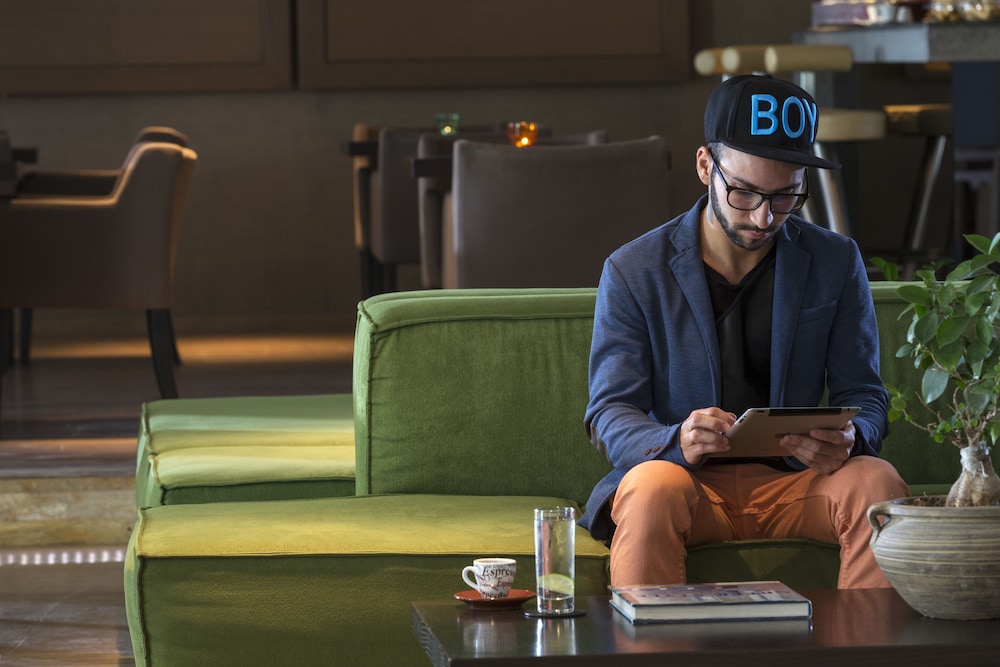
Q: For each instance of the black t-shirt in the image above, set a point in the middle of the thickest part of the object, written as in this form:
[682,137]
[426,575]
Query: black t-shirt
[743,322]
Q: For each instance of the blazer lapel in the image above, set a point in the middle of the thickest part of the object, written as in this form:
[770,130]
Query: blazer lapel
[689,272]
[791,268]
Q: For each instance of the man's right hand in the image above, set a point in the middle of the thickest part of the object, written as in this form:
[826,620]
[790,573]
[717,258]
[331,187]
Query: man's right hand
[703,432]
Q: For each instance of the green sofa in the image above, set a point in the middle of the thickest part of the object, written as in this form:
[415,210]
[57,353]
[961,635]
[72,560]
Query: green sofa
[468,409]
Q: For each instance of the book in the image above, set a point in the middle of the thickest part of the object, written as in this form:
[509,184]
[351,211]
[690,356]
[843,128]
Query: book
[728,601]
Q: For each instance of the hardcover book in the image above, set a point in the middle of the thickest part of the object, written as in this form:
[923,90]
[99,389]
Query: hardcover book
[730,601]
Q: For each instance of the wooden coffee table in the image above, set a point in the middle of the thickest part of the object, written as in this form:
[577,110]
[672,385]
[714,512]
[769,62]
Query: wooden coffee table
[855,627]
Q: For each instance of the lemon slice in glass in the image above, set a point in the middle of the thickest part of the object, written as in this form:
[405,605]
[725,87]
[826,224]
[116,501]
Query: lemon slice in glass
[556,583]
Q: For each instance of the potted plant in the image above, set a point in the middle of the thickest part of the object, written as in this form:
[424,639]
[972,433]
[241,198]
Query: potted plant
[954,338]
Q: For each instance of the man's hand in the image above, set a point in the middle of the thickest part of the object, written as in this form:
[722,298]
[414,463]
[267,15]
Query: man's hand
[823,450]
[703,432]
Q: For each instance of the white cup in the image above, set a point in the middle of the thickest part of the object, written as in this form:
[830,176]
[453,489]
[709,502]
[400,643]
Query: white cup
[493,576]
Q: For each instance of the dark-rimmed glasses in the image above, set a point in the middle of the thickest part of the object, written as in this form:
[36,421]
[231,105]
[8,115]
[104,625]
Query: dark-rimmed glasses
[781,203]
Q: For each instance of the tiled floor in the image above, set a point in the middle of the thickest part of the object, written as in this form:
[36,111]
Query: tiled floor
[67,456]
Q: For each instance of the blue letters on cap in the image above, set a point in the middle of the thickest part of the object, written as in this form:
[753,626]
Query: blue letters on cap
[765,122]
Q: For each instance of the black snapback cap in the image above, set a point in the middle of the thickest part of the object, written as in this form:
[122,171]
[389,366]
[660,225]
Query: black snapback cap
[766,117]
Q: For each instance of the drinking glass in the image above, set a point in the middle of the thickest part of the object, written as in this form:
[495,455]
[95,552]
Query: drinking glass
[555,559]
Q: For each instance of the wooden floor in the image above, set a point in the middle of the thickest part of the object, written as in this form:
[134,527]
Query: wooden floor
[68,423]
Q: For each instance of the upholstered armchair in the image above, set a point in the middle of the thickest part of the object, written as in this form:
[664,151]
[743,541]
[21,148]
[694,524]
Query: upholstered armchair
[548,216]
[111,251]
[93,182]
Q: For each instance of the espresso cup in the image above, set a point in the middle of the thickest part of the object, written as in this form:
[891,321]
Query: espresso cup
[493,577]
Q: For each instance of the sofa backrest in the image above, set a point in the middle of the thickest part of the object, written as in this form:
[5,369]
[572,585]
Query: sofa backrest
[483,392]
[476,392]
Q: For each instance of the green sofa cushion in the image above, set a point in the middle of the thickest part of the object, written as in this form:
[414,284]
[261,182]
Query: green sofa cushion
[250,472]
[260,432]
[300,413]
[446,383]
[311,582]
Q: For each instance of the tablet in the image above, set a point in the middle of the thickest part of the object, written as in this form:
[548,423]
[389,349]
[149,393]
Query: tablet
[758,430]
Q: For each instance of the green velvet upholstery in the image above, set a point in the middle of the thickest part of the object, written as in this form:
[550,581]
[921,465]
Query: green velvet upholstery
[475,392]
[245,448]
[317,582]
[468,412]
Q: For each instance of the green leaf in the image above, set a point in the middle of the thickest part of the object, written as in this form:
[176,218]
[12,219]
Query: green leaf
[888,269]
[974,302]
[950,356]
[994,431]
[980,284]
[984,330]
[915,294]
[975,356]
[934,382]
[925,328]
[978,398]
[961,272]
[952,329]
[981,243]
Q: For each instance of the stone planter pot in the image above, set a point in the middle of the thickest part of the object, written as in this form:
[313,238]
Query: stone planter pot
[943,561]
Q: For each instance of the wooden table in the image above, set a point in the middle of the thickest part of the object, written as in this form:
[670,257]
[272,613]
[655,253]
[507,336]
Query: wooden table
[856,628]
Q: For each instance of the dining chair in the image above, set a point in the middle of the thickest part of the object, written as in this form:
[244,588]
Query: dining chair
[363,147]
[84,182]
[432,189]
[394,219]
[548,216]
[113,251]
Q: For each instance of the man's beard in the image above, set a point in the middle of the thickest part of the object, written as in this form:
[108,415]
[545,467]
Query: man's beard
[732,231]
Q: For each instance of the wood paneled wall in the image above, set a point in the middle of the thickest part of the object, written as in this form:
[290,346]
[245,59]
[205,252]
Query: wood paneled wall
[137,46]
[403,43]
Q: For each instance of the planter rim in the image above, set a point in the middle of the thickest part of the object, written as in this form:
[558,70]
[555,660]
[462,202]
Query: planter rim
[908,505]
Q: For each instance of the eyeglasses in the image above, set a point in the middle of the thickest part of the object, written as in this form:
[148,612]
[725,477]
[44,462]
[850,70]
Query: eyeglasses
[749,200]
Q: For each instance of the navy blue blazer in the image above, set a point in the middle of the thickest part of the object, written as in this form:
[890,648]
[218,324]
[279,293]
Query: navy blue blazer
[655,353]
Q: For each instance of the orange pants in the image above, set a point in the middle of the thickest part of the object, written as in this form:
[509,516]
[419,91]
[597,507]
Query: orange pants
[660,508]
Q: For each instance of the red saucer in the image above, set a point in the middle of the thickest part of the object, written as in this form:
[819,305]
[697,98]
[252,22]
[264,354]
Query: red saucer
[514,599]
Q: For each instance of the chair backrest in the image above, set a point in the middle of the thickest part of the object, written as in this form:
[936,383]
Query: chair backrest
[115,251]
[433,190]
[395,220]
[395,226]
[162,134]
[549,216]
[363,165]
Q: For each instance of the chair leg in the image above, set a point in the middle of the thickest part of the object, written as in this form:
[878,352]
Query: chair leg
[158,326]
[173,340]
[25,317]
[389,280]
[834,207]
[6,343]
[372,275]
[916,228]
[6,339]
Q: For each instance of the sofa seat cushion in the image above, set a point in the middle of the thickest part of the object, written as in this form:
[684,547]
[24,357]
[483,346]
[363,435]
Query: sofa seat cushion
[300,413]
[258,429]
[324,581]
[250,472]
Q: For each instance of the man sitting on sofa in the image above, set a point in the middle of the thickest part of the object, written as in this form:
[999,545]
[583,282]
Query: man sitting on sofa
[737,303]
